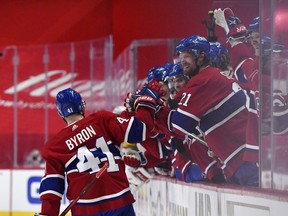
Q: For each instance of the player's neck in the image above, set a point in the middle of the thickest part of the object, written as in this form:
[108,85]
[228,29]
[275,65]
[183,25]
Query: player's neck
[74,118]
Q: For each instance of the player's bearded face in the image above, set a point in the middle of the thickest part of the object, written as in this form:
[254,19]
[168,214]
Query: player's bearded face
[187,60]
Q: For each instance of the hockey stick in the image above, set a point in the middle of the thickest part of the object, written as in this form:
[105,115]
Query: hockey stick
[85,189]
[193,136]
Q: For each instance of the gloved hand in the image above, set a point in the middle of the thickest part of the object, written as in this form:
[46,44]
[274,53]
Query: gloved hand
[130,100]
[138,177]
[220,19]
[194,173]
[165,172]
[134,158]
[232,25]
[149,95]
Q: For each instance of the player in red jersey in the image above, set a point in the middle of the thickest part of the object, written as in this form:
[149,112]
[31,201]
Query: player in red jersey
[152,155]
[236,35]
[191,161]
[80,149]
[246,67]
[184,158]
[218,106]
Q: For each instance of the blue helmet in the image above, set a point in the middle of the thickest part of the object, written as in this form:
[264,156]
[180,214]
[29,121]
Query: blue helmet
[254,25]
[213,54]
[159,73]
[222,49]
[69,102]
[177,70]
[223,56]
[195,44]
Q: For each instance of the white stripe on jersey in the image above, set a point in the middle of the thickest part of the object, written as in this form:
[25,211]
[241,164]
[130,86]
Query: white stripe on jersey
[103,197]
[237,151]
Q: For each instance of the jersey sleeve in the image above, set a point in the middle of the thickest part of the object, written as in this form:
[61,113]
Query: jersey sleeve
[128,128]
[52,185]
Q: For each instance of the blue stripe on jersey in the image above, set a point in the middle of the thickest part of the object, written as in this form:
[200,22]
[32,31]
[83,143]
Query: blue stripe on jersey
[135,132]
[166,150]
[72,165]
[53,183]
[184,121]
[241,75]
[224,112]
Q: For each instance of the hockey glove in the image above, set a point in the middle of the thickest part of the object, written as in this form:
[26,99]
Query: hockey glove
[165,172]
[165,168]
[129,101]
[149,96]
[230,23]
[138,177]
[134,158]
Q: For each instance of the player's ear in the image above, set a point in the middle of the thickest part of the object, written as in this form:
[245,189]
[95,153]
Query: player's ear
[201,58]
[202,54]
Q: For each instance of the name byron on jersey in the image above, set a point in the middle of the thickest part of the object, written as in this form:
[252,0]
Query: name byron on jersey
[81,137]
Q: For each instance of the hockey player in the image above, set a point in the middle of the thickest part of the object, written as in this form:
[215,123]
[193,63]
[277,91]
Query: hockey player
[190,171]
[217,105]
[137,176]
[161,74]
[223,59]
[212,55]
[236,35]
[246,67]
[80,149]
[177,79]
[191,161]
[143,159]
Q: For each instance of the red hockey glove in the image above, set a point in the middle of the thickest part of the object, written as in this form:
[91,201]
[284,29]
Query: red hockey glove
[134,158]
[230,23]
[149,96]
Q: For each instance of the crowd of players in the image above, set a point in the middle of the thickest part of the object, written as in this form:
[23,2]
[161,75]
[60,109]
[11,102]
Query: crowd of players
[196,119]
[211,101]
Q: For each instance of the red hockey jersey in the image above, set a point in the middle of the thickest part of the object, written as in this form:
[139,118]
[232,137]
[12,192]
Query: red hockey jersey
[218,106]
[79,150]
